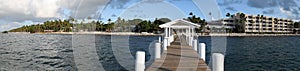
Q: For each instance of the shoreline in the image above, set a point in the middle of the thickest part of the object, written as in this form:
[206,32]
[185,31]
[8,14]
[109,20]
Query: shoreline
[248,35]
[90,33]
[151,34]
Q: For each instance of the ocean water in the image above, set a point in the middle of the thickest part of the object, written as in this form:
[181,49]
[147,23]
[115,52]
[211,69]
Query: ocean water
[33,52]
[280,53]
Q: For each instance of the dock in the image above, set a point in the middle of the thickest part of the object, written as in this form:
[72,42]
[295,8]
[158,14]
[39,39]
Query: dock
[179,50]
[179,57]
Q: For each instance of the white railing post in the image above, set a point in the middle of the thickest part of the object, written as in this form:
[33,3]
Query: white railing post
[218,62]
[186,39]
[140,61]
[157,50]
[159,39]
[165,43]
[195,45]
[169,40]
[191,41]
[172,38]
[202,51]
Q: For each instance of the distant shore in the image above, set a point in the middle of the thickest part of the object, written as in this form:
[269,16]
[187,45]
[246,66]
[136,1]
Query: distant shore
[151,34]
[96,33]
[243,34]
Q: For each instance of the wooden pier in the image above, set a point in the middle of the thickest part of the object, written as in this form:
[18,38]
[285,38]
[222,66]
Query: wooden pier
[181,51]
[179,57]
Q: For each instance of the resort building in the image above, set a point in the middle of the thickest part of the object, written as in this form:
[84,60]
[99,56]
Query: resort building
[257,23]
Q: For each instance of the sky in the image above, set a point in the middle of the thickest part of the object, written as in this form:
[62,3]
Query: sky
[17,13]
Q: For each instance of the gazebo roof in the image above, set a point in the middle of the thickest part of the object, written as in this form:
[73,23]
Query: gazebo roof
[179,23]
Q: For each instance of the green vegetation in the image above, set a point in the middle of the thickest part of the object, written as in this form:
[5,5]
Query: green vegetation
[120,25]
[55,26]
[194,19]
[297,24]
[148,26]
[5,32]
[239,21]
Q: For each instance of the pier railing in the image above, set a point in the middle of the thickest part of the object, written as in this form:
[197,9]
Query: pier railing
[200,48]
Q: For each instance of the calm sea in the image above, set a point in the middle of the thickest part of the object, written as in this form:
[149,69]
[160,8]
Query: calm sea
[27,52]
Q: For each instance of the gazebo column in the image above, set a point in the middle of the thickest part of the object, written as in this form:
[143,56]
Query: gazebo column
[169,36]
[193,31]
[166,38]
[186,36]
[172,35]
[190,41]
[192,35]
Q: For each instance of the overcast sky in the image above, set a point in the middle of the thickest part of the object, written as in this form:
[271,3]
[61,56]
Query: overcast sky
[16,13]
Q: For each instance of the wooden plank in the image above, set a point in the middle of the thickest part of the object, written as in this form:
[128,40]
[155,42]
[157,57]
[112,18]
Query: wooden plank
[179,57]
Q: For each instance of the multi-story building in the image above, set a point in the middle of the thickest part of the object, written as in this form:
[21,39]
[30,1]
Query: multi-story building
[259,23]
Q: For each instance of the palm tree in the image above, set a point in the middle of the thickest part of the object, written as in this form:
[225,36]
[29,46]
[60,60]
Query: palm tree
[241,23]
[191,13]
[228,15]
[109,21]
[276,22]
[109,25]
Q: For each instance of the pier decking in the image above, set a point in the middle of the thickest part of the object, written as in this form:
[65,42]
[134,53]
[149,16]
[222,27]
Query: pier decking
[179,57]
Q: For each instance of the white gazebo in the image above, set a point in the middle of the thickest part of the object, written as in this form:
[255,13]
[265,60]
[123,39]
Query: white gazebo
[182,27]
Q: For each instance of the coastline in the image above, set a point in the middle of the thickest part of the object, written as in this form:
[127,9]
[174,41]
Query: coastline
[151,34]
[95,33]
[247,35]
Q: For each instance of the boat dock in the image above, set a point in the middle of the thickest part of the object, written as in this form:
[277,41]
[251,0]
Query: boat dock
[179,57]
[179,50]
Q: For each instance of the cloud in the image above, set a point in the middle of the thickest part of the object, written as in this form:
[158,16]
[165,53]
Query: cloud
[9,26]
[114,15]
[32,8]
[291,14]
[37,9]
[262,3]
[230,8]
[288,8]
[287,4]
[228,2]
[271,11]
[295,11]
[84,8]
[13,11]
[118,4]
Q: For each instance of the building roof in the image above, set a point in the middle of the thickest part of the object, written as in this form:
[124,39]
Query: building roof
[180,23]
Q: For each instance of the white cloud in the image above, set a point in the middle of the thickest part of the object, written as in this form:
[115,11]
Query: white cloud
[13,11]
[9,26]
[37,8]
[45,8]
[288,13]
[32,9]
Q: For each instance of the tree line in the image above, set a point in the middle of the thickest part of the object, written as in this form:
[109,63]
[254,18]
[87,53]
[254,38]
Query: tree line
[120,25]
[297,24]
